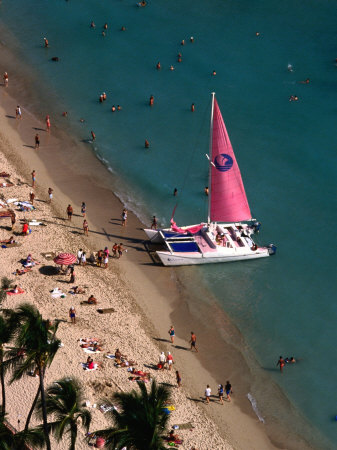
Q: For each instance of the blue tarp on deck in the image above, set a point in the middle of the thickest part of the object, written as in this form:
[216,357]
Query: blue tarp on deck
[184,247]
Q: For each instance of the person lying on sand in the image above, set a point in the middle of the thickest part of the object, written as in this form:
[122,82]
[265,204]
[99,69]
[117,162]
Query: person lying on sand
[16,290]
[11,240]
[77,290]
[22,271]
[139,375]
[85,343]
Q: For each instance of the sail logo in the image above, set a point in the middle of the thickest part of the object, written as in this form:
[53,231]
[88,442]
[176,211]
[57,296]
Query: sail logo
[223,162]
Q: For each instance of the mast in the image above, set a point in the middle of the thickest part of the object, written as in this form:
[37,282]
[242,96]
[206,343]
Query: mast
[210,162]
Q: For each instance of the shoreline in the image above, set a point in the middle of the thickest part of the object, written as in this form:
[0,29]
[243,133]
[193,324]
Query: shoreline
[65,179]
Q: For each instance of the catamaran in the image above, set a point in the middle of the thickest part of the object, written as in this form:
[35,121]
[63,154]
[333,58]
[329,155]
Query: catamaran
[227,235]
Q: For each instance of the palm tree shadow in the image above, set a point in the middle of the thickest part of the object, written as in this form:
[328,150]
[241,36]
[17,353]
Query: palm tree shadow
[166,384]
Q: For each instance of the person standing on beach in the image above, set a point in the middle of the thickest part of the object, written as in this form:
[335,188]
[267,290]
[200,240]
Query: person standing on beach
[50,193]
[124,217]
[37,141]
[79,256]
[281,363]
[208,392]
[154,223]
[18,112]
[171,332]
[33,178]
[120,250]
[83,209]
[47,123]
[169,360]
[31,197]
[85,228]
[6,79]
[72,314]
[228,389]
[193,342]
[70,212]
[72,275]
[220,392]
[178,379]
[114,250]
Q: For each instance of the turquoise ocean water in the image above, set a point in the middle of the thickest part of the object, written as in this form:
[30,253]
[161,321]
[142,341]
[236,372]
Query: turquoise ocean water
[286,150]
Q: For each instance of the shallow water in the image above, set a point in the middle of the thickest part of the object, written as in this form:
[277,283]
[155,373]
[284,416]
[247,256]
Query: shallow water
[286,150]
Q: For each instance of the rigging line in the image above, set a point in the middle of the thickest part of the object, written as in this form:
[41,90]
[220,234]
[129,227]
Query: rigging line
[197,139]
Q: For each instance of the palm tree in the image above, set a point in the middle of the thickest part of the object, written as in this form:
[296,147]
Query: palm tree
[10,440]
[64,401]
[37,337]
[140,420]
[6,335]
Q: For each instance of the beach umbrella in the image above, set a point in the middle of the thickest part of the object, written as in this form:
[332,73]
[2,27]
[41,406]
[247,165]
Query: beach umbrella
[64,259]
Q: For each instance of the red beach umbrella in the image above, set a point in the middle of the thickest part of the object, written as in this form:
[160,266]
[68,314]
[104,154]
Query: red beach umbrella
[64,259]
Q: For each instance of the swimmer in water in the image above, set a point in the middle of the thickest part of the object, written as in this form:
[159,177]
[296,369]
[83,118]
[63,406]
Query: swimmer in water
[257,33]
[105,26]
[214,73]
[281,363]
[175,192]
[290,68]
[293,98]
[191,39]
[93,135]
[183,42]
[147,144]
[113,109]
[151,100]
[158,66]
[307,81]
[46,43]
[119,108]
[192,107]
[123,29]
[179,58]
[171,68]
[206,190]
[92,25]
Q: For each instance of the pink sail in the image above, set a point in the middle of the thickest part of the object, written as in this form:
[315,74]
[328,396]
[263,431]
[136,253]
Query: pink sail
[228,198]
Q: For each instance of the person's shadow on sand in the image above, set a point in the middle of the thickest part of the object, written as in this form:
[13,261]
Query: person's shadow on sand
[196,400]
[10,117]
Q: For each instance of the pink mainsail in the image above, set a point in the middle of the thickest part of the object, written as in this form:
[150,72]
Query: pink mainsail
[228,198]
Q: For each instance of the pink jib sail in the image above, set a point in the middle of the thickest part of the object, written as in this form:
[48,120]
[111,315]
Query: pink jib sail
[228,198]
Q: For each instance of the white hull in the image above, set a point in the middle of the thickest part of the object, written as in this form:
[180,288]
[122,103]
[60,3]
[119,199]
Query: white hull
[169,259]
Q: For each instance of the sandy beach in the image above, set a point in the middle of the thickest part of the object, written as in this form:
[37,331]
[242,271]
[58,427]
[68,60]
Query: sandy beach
[146,298]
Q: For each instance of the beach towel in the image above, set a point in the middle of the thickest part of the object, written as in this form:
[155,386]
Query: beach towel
[6,184]
[89,350]
[106,310]
[12,200]
[4,174]
[106,408]
[15,244]
[37,223]
[57,293]
[110,356]
[84,365]
[20,291]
